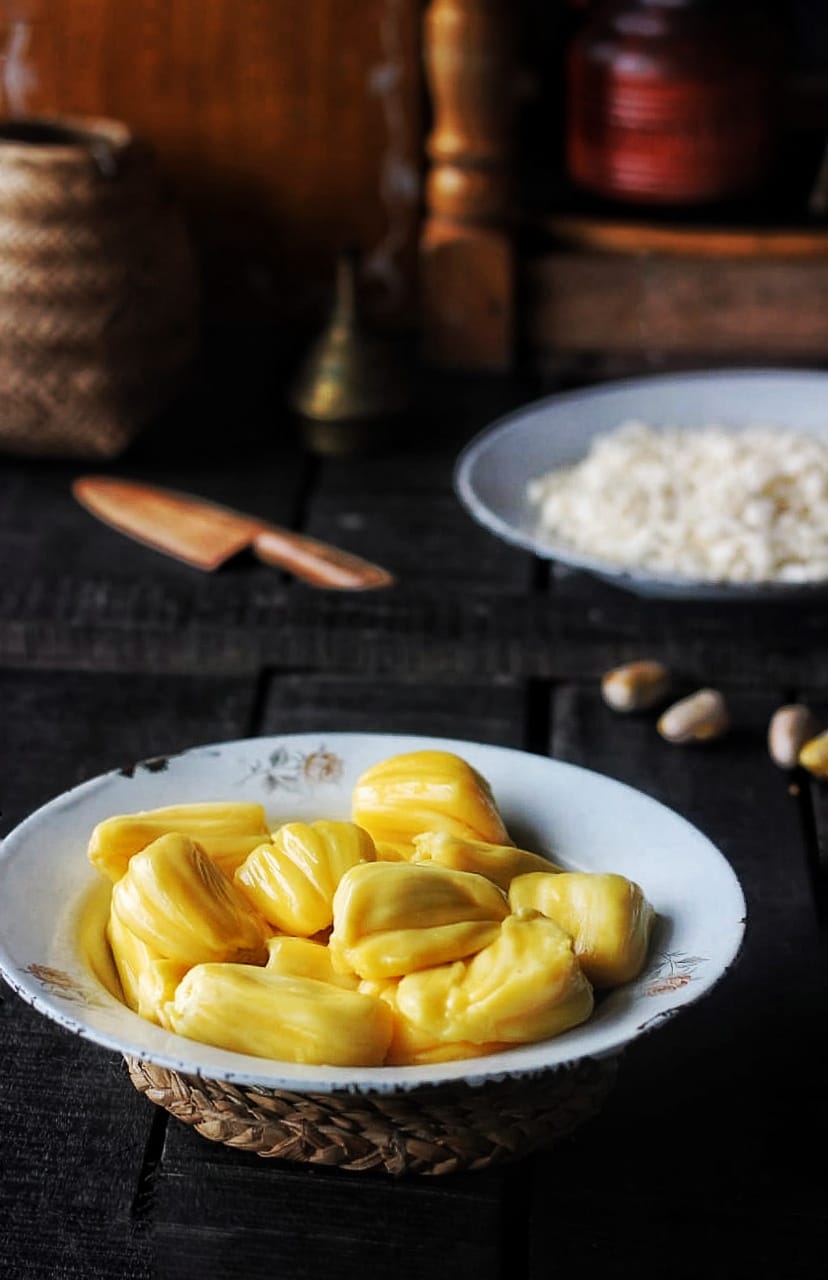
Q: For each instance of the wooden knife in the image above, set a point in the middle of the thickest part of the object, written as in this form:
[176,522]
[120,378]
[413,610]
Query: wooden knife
[205,535]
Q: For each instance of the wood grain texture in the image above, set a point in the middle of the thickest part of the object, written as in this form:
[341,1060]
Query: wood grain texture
[677,239]
[611,303]
[467,261]
[315,702]
[65,727]
[419,525]
[46,524]
[72,1145]
[319,1221]
[113,654]
[235,624]
[290,128]
[315,1220]
[710,1109]
[127,601]
[73,1131]
[206,535]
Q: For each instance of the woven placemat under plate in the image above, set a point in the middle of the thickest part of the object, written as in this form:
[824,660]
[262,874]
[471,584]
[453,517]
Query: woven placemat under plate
[432,1129]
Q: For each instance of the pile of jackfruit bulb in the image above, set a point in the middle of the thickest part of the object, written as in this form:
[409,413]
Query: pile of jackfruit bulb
[414,933]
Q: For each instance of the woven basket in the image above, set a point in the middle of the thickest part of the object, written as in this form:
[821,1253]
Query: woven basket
[435,1129]
[98,291]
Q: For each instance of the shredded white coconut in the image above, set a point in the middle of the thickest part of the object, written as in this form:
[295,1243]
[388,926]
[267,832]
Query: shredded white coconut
[706,503]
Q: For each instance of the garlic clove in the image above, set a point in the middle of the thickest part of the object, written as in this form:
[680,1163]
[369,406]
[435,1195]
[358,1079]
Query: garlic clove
[790,727]
[701,717]
[635,686]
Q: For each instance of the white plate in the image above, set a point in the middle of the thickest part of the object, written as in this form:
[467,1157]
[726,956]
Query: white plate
[493,470]
[588,821]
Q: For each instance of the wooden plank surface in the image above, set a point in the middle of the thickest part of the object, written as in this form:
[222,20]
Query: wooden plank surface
[698,1149]
[74,1134]
[179,620]
[407,513]
[74,594]
[215,1212]
[312,701]
[682,1094]
[319,1221]
[651,302]
[113,654]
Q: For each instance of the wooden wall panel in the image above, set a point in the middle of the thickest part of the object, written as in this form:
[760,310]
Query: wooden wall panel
[290,126]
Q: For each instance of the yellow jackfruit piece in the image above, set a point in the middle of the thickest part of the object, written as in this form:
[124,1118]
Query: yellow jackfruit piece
[157,986]
[391,852]
[273,1015]
[607,916]
[527,985]
[411,1046]
[130,954]
[305,959]
[406,794]
[292,880]
[499,863]
[176,900]
[390,918]
[93,945]
[225,830]
[147,980]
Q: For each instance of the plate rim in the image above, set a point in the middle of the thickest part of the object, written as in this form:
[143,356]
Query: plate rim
[332,1080]
[640,581]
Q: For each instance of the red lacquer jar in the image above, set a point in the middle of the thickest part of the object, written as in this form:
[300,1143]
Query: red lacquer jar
[672,101]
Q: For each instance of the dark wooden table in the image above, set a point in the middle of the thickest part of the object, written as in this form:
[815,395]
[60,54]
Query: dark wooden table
[708,1159]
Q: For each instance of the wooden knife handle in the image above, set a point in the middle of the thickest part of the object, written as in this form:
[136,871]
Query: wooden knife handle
[318,563]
